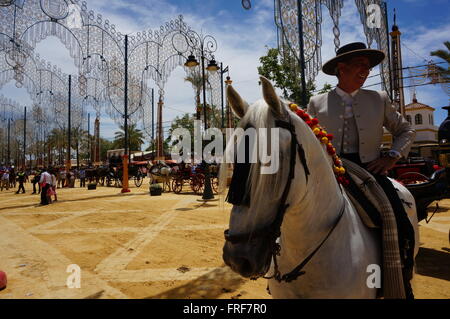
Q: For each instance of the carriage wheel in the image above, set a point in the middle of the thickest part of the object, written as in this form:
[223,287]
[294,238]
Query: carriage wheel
[215,184]
[412,178]
[108,181]
[197,183]
[177,185]
[138,180]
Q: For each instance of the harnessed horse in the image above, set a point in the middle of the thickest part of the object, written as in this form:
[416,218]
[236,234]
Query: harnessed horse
[160,172]
[298,225]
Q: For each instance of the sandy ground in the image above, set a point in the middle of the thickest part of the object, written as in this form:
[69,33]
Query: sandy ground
[139,246]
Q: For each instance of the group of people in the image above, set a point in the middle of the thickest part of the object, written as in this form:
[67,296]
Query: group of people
[9,178]
[45,181]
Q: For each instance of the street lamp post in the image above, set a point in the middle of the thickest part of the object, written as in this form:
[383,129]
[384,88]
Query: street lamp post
[25,138]
[222,71]
[69,136]
[228,82]
[9,142]
[125,188]
[205,46]
[89,139]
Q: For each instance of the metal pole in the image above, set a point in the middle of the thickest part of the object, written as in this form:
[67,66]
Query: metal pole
[204,91]
[207,192]
[302,53]
[153,120]
[9,142]
[69,125]
[221,93]
[25,138]
[125,188]
[89,138]
[126,96]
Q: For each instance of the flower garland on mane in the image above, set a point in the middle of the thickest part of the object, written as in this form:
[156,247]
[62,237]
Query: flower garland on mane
[324,138]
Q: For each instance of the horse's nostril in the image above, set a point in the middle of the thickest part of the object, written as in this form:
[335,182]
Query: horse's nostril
[245,267]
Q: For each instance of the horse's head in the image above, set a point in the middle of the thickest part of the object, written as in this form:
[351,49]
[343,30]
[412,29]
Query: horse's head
[259,199]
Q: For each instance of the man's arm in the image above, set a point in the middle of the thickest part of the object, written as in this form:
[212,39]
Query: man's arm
[403,137]
[311,109]
[402,132]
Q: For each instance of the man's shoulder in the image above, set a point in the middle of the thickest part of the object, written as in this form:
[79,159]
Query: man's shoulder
[373,93]
[320,97]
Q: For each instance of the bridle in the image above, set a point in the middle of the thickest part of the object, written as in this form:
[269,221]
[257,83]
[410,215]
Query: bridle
[273,231]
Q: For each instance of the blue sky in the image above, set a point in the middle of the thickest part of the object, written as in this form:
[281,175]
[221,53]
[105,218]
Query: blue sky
[242,38]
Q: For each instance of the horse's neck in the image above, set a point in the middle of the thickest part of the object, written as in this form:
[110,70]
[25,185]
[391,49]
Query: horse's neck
[308,221]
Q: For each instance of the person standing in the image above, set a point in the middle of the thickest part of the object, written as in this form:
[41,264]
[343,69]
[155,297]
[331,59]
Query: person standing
[36,178]
[82,176]
[4,182]
[12,177]
[62,177]
[45,182]
[54,184]
[21,178]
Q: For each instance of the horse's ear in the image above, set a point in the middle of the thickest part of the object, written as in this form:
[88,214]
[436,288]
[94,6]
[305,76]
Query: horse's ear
[238,105]
[270,96]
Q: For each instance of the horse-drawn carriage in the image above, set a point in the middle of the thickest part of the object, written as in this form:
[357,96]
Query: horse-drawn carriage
[195,177]
[414,170]
[112,175]
[426,179]
[115,175]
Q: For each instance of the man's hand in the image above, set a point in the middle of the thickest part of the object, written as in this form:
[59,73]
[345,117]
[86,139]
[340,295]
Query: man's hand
[381,165]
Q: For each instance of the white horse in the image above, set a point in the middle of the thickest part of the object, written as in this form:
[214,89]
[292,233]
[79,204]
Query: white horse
[161,173]
[317,208]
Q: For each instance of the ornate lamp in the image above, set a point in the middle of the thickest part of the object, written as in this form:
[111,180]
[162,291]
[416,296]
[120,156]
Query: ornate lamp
[191,62]
[212,66]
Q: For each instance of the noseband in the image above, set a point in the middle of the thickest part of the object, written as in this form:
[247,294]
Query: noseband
[273,231]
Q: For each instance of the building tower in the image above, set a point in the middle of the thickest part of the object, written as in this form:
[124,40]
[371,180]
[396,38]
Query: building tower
[397,68]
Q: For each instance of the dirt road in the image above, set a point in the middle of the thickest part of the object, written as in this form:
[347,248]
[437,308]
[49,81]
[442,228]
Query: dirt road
[137,246]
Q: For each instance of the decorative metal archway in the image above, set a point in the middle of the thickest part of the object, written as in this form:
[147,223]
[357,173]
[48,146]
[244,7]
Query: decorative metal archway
[299,24]
[11,129]
[99,51]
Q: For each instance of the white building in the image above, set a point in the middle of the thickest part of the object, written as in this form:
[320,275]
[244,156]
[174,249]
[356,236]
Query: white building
[421,117]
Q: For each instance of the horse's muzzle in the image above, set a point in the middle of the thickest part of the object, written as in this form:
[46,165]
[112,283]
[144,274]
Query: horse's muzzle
[236,257]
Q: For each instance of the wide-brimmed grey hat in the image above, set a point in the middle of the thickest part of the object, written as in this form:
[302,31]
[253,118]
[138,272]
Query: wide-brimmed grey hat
[353,50]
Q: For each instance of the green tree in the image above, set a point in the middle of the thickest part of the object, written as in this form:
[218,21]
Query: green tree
[77,137]
[282,70]
[326,88]
[57,144]
[187,122]
[105,146]
[444,55]
[196,79]
[135,138]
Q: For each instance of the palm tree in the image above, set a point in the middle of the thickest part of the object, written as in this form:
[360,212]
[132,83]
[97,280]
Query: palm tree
[196,79]
[444,55]
[78,135]
[135,137]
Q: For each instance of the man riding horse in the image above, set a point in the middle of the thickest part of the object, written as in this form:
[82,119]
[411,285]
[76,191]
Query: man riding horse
[356,117]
